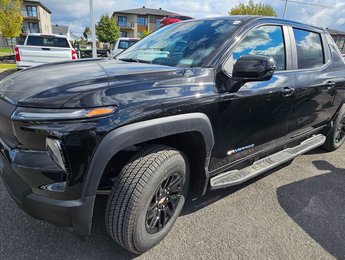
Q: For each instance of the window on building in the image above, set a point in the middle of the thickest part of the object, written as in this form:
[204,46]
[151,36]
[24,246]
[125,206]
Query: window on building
[158,24]
[31,10]
[139,34]
[122,20]
[34,28]
[142,20]
[266,40]
[123,33]
[309,49]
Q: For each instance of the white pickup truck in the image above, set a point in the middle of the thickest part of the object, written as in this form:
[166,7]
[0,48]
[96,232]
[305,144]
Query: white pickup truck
[42,48]
[122,44]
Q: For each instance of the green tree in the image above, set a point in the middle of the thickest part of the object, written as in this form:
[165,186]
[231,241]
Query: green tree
[106,29]
[10,19]
[87,29]
[253,9]
[145,33]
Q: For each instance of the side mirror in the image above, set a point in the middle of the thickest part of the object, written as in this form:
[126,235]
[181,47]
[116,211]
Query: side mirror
[251,68]
[254,68]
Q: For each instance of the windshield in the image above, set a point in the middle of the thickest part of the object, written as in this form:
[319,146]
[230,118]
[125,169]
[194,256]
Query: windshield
[187,44]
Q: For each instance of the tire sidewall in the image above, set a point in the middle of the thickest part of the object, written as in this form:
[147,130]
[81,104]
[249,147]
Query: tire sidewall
[141,238]
[336,126]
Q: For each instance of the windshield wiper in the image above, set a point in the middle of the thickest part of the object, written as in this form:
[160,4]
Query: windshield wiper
[134,60]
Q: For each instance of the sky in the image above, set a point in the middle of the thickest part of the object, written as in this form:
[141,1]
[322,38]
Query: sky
[76,13]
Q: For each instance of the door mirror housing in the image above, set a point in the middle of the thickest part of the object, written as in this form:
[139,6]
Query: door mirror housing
[251,68]
[254,68]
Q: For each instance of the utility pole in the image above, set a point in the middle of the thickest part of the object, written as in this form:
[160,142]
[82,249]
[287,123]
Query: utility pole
[93,31]
[286,3]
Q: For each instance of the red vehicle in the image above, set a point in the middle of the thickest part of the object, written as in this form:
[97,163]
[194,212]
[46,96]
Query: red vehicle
[174,19]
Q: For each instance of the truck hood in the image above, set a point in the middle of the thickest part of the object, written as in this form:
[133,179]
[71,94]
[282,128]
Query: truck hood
[53,85]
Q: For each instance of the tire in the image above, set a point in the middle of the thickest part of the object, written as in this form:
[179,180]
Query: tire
[133,198]
[336,137]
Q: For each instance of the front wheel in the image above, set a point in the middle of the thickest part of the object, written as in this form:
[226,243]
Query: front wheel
[147,197]
[337,135]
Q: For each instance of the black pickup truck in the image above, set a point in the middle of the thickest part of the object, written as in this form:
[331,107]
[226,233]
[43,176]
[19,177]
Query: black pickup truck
[197,105]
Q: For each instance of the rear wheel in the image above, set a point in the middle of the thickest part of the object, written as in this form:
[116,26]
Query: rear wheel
[147,197]
[337,135]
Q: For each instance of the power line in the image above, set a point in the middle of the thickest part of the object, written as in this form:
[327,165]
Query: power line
[302,3]
[312,4]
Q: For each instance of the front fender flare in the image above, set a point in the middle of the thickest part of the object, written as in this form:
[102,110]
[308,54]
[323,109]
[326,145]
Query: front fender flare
[140,132]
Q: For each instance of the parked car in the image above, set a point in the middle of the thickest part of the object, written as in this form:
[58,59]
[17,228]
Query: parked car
[198,105]
[123,43]
[42,48]
[170,19]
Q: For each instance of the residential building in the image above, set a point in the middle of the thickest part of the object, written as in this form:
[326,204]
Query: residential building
[99,45]
[60,30]
[133,22]
[64,30]
[36,18]
[339,38]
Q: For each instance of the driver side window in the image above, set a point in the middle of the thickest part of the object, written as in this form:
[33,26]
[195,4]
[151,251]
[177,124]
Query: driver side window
[265,40]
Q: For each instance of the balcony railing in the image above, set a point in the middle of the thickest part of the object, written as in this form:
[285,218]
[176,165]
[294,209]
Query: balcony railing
[127,24]
[33,15]
[28,30]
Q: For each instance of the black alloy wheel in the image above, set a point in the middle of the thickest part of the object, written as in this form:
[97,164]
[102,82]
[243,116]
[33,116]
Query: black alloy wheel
[163,203]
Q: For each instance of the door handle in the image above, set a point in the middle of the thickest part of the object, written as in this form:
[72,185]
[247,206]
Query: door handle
[287,91]
[330,85]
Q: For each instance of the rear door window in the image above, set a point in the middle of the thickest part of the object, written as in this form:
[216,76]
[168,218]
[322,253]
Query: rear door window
[47,41]
[309,49]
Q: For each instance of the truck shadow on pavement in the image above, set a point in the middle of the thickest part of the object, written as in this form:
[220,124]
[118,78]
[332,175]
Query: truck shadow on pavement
[317,205]
[194,204]
[24,237]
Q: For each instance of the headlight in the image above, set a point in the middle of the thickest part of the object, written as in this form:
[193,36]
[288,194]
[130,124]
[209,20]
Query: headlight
[60,114]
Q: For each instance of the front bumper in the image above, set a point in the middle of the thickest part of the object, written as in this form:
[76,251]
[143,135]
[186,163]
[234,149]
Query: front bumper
[73,215]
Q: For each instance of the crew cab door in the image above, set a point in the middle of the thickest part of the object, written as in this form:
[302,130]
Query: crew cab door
[255,118]
[315,88]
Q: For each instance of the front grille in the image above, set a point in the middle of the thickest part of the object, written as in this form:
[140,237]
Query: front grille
[6,129]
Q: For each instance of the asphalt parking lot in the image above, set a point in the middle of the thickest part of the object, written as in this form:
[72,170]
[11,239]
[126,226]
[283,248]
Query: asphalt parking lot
[5,73]
[295,212]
